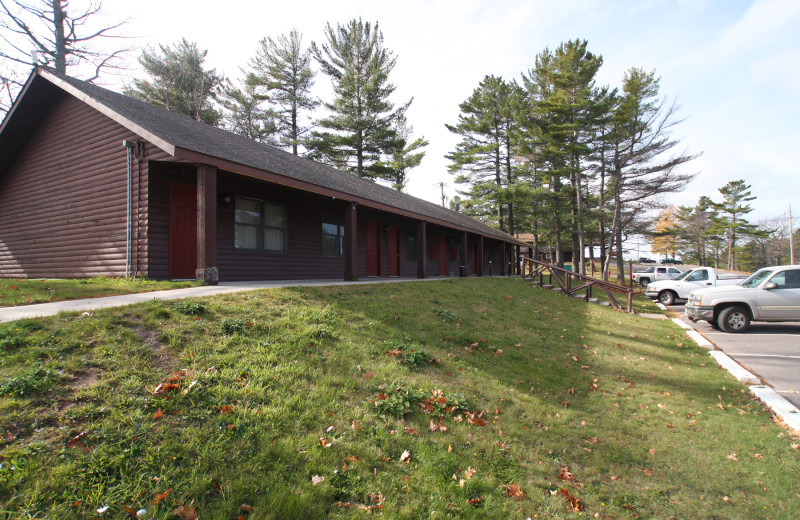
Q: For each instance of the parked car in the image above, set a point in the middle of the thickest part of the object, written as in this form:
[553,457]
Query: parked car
[770,294]
[653,273]
[669,291]
[674,261]
[645,260]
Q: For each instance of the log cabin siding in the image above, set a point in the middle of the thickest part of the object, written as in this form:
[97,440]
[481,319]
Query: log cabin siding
[63,198]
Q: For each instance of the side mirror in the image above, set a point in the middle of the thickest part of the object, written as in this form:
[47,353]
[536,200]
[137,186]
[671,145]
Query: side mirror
[770,285]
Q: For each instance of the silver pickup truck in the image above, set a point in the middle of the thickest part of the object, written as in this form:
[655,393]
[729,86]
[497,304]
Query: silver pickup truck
[769,294]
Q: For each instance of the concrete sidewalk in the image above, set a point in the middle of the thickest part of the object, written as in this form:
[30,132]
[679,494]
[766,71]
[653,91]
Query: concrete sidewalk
[90,304]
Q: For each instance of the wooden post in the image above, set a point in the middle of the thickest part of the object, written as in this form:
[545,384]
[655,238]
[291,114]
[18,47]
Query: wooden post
[464,253]
[206,268]
[350,241]
[422,249]
[480,255]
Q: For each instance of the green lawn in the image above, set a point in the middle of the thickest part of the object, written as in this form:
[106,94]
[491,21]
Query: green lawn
[25,292]
[465,398]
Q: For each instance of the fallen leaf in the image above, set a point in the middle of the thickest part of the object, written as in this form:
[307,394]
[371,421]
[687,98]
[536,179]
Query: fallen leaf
[574,503]
[184,512]
[159,414]
[323,441]
[514,491]
[733,457]
[469,473]
[368,375]
[565,474]
[225,410]
[475,501]
[162,496]
[316,480]
[449,448]
[246,508]
[405,456]
[410,431]
[376,498]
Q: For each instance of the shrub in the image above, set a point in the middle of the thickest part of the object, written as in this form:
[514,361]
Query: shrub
[191,308]
[32,381]
[446,315]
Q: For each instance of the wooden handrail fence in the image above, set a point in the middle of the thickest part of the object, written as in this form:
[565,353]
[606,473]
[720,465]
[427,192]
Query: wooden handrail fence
[570,282]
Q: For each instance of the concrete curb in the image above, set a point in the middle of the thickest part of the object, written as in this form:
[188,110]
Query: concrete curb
[662,306]
[734,368]
[782,408]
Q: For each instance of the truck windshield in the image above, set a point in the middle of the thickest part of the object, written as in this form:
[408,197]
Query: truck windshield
[684,275]
[756,278]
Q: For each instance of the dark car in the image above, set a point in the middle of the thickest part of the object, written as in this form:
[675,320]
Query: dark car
[671,261]
[645,260]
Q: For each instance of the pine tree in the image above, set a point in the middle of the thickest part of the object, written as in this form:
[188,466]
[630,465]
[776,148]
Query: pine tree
[484,157]
[245,114]
[643,167]
[405,156]
[281,71]
[560,129]
[178,82]
[361,134]
[734,205]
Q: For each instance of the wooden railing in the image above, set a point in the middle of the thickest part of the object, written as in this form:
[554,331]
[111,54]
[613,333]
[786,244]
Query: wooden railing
[570,282]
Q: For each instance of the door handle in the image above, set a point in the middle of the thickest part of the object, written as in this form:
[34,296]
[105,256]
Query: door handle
[708,283]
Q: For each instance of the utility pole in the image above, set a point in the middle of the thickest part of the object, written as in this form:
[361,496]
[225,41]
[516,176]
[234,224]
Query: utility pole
[791,237]
[441,186]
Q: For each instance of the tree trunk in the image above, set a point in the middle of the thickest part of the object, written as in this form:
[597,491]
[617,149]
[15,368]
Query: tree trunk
[58,31]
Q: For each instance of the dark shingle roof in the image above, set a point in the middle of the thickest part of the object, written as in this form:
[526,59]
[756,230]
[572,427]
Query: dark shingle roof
[186,133]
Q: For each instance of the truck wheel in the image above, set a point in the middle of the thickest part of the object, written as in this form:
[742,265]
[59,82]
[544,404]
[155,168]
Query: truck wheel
[734,319]
[666,297]
[644,281]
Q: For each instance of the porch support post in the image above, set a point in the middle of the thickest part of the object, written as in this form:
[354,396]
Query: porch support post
[503,258]
[422,248]
[350,241]
[464,254]
[517,261]
[206,269]
[480,255]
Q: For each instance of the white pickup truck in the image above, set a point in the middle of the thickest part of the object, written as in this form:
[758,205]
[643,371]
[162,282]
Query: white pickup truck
[669,291]
[654,274]
[769,294]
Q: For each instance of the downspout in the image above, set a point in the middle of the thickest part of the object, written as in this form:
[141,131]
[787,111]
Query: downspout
[129,147]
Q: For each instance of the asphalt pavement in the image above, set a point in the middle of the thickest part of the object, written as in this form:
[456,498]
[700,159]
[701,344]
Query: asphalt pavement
[770,351]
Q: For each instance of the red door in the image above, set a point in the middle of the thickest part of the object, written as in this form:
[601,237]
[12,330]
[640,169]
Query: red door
[182,231]
[442,255]
[474,258]
[394,251]
[373,249]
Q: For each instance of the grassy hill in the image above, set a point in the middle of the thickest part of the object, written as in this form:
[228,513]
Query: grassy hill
[477,398]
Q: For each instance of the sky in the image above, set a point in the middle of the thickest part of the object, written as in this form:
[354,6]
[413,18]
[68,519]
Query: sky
[732,67]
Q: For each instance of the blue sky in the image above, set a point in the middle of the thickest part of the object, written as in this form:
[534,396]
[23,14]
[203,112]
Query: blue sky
[732,66]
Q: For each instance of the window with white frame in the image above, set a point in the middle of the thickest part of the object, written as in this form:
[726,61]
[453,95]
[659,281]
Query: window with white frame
[332,235]
[261,226]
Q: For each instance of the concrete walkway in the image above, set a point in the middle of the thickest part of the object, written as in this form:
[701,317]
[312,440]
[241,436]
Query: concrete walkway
[90,304]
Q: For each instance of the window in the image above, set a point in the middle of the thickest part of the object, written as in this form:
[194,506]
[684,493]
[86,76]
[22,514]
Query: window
[698,276]
[332,235]
[261,226]
[787,279]
[411,245]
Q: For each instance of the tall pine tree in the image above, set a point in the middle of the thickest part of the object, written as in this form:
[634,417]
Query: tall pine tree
[178,81]
[735,198]
[281,72]
[360,135]
[483,159]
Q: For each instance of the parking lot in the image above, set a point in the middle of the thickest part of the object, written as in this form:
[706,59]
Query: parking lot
[770,351]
